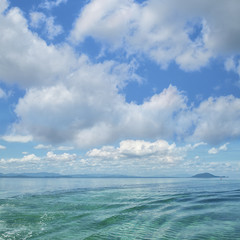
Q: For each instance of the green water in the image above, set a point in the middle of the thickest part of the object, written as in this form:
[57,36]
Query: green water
[119,209]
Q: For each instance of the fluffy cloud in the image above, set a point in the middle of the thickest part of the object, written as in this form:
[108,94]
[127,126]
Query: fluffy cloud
[217,150]
[159,151]
[33,163]
[136,154]
[203,28]
[217,119]
[51,29]
[2,147]
[98,115]
[34,62]
[70,99]
[91,117]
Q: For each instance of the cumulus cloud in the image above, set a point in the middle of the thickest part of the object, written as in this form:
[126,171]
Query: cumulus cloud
[25,159]
[204,29]
[217,150]
[33,163]
[70,99]
[98,115]
[34,62]
[217,119]
[95,116]
[2,147]
[159,151]
[136,154]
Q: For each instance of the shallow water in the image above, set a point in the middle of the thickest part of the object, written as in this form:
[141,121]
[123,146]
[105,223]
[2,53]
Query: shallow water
[119,209]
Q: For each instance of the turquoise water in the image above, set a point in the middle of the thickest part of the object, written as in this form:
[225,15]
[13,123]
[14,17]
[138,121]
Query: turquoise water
[119,209]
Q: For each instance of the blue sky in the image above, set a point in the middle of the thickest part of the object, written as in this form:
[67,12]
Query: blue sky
[130,87]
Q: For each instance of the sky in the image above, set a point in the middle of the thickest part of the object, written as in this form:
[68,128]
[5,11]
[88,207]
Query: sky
[143,88]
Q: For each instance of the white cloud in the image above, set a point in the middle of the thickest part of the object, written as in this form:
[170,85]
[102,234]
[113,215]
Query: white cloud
[151,28]
[31,163]
[97,115]
[217,150]
[223,147]
[41,146]
[60,157]
[49,4]
[17,138]
[2,93]
[37,18]
[34,62]
[2,147]
[213,151]
[25,159]
[217,119]
[52,30]
[69,99]
[159,151]
[3,5]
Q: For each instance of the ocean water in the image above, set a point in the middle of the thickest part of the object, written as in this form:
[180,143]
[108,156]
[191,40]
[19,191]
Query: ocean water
[120,209]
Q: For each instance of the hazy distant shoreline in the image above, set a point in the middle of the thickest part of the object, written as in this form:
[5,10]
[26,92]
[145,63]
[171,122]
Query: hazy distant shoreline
[55,175]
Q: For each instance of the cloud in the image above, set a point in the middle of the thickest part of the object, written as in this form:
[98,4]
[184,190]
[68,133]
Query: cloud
[34,62]
[213,151]
[70,99]
[133,154]
[217,150]
[2,93]
[3,5]
[100,115]
[49,4]
[31,163]
[60,148]
[41,146]
[97,115]
[30,158]
[204,29]
[17,138]
[50,28]
[217,119]
[64,148]
[2,147]
[159,151]
[37,18]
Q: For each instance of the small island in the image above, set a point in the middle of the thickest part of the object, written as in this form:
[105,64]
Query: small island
[207,175]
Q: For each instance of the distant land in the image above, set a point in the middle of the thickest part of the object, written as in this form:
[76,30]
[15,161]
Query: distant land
[207,175]
[56,175]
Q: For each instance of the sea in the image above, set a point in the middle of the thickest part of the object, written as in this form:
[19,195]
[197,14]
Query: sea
[124,208]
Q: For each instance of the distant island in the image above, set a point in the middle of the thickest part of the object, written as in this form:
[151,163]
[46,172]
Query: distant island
[207,175]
